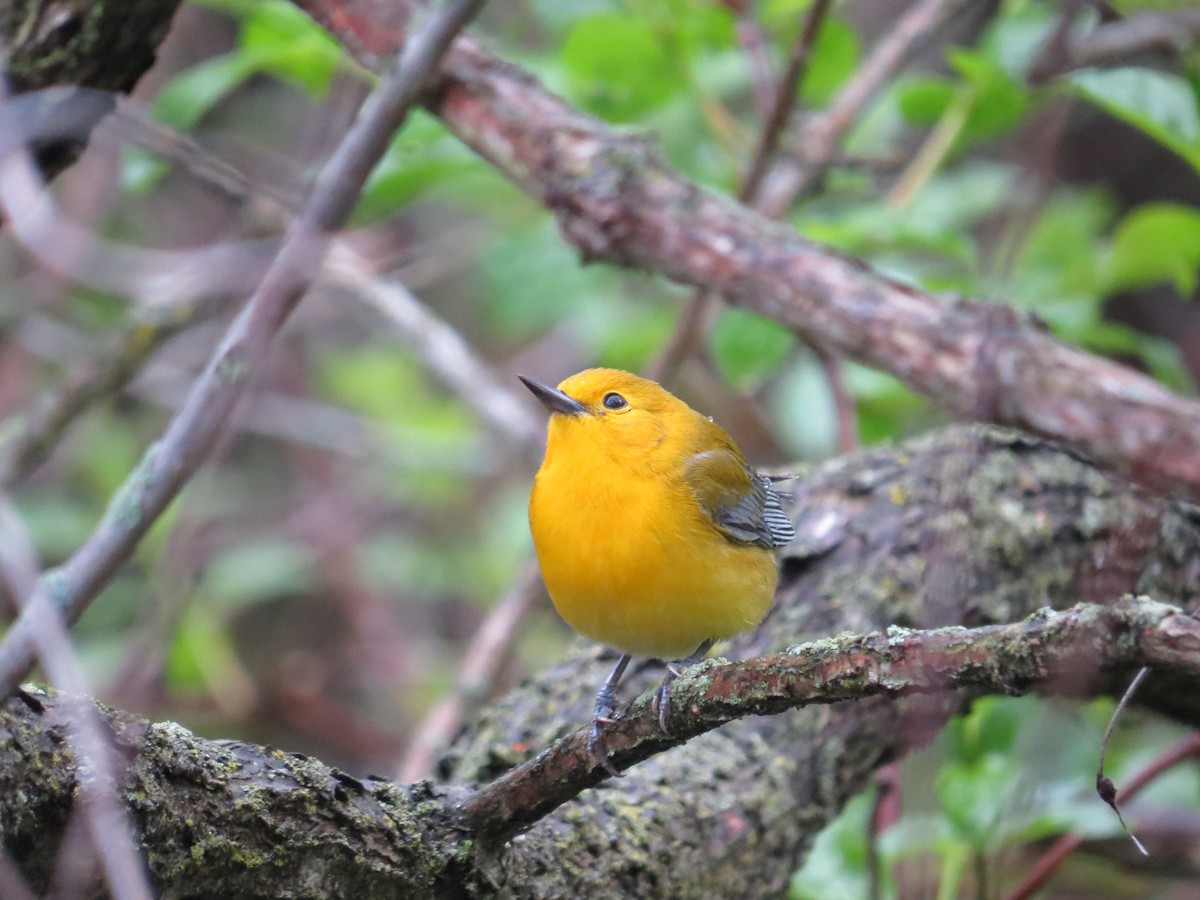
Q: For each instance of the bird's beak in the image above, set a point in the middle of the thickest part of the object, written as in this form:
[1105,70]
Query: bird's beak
[553,399]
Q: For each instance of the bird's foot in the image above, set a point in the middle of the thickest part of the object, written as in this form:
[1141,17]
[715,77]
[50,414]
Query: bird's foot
[602,717]
[661,703]
[597,746]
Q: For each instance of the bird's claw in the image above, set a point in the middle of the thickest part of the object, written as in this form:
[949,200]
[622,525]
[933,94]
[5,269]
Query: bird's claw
[661,704]
[597,747]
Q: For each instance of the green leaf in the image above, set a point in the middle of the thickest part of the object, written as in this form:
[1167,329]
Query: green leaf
[423,157]
[997,102]
[618,66]
[558,17]
[1059,253]
[192,93]
[1016,39]
[1163,106]
[886,407]
[284,42]
[988,101]
[977,797]
[1156,242]
[534,281]
[748,347]
[923,99]
[835,55]
[991,727]
[836,867]
[203,656]
[275,38]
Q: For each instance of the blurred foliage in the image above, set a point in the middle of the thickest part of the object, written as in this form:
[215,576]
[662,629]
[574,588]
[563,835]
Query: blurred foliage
[359,521]
[983,800]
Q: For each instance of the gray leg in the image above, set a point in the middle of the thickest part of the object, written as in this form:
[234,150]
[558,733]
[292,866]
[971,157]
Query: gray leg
[662,697]
[605,703]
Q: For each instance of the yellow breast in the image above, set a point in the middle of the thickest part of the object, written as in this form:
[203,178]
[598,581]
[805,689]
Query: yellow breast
[630,560]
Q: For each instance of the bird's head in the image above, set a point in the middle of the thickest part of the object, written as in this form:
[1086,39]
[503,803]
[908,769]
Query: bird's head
[610,410]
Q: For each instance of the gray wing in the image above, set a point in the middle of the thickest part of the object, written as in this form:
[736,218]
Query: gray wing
[745,509]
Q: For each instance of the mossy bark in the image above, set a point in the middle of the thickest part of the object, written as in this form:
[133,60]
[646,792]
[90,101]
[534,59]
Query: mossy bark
[93,47]
[969,526]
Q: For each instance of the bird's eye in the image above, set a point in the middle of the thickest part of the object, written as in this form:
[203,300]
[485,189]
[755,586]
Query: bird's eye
[614,401]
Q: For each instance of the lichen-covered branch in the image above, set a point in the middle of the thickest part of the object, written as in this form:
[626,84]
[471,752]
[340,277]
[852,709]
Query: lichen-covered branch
[228,818]
[968,527]
[1051,652]
[971,526]
[223,818]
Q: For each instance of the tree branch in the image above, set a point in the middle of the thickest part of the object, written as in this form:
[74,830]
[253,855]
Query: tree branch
[274,808]
[1048,652]
[169,463]
[618,202]
[882,538]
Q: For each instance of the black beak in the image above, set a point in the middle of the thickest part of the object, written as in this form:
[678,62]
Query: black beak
[553,399]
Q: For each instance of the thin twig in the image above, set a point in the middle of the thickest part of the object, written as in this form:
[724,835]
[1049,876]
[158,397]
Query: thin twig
[1186,748]
[1104,786]
[784,103]
[442,350]
[843,399]
[699,310]
[1156,34]
[1011,658]
[108,824]
[934,149]
[168,464]
[754,43]
[103,376]
[885,812]
[487,653]
[818,138]
[71,251]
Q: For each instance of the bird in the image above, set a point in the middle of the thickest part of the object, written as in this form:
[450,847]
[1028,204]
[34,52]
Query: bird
[653,533]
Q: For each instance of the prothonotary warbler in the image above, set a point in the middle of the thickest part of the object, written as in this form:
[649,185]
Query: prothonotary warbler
[653,533]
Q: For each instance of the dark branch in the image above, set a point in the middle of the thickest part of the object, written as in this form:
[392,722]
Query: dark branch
[1047,652]
[255,813]
[881,539]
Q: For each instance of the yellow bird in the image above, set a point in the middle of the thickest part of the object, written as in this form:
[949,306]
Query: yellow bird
[653,533]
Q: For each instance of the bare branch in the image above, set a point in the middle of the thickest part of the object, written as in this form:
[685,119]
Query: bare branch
[489,649]
[406,837]
[1147,31]
[1009,659]
[618,202]
[819,139]
[443,351]
[784,101]
[191,433]
[1184,749]
[696,316]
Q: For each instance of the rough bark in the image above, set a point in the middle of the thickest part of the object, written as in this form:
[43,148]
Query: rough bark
[619,202]
[966,527]
[103,45]
[972,526]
